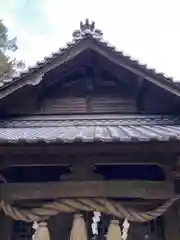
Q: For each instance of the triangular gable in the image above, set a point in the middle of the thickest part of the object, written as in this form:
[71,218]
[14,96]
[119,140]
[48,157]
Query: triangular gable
[87,38]
[40,116]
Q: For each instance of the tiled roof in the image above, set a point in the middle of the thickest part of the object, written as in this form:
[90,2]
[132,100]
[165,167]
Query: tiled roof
[87,30]
[116,129]
[88,120]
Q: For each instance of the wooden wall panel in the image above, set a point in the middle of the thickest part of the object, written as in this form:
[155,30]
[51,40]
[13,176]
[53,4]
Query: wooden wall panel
[74,99]
[92,104]
[64,105]
[111,105]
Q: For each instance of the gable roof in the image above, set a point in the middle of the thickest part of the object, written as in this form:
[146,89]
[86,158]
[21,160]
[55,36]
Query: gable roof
[88,37]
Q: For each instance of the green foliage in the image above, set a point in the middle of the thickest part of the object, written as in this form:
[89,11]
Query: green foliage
[7,65]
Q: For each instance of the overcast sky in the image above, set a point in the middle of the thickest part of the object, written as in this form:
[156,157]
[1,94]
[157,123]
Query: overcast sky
[148,30]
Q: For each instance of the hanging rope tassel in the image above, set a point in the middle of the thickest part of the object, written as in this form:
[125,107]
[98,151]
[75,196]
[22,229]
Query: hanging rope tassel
[78,231]
[114,231]
[42,232]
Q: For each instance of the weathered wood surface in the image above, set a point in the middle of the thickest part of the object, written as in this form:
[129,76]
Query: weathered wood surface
[65,189]
[171,223]
[66,159]
[153,147]
[117,60]
[6,224]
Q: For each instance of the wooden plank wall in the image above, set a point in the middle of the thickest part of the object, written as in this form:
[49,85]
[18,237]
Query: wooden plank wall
[102,104]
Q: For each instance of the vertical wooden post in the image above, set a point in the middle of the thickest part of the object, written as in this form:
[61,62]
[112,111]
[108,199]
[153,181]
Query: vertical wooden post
[60,225]
[6,227]
[171,223]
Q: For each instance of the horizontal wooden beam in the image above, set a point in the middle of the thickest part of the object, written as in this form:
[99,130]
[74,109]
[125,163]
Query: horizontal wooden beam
[66,189]
[152,147]
[60,159]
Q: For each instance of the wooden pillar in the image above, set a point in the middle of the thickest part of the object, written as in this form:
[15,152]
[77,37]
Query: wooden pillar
[172,222]
[6,227]
[60,226]
[137,231]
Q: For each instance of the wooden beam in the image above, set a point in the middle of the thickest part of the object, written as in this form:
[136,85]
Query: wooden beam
[139,91]
[13,160]
[152,147]
[68,189]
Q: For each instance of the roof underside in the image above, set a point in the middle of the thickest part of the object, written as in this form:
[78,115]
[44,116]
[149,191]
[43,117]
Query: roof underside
[90,129]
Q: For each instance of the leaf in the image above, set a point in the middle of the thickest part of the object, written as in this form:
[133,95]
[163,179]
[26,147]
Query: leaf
[8,66]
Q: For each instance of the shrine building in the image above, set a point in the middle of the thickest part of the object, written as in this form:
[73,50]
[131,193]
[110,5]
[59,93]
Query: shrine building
[89,147]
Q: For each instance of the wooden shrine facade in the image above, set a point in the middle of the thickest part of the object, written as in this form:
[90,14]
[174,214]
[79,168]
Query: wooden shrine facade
[90,122]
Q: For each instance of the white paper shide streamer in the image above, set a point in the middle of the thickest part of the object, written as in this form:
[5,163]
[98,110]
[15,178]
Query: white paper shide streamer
[95,221]
[125,229]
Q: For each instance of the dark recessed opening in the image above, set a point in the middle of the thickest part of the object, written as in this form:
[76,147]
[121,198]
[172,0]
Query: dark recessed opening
[130,172]
[35,173]
[109,172]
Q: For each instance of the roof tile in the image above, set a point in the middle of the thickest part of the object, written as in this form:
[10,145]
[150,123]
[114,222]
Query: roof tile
[88,134]
[109,129]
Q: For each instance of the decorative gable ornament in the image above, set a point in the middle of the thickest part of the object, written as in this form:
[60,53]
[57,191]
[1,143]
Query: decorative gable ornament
[86,29]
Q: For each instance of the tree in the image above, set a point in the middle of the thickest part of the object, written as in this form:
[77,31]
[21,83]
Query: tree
[7,65]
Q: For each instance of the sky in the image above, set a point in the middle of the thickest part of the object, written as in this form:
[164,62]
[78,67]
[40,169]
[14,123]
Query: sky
[148,30]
